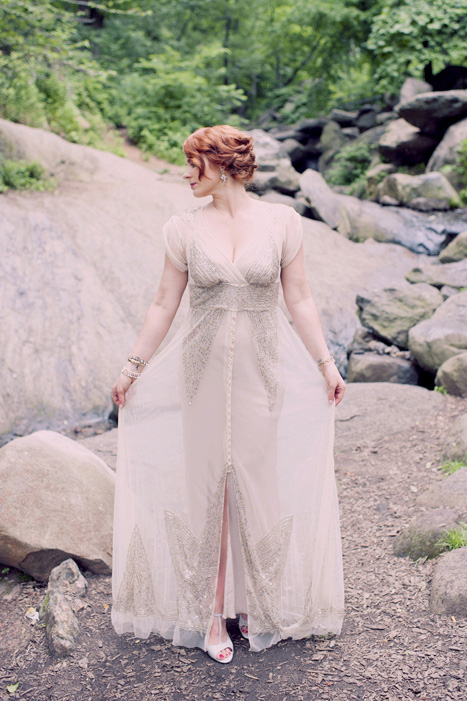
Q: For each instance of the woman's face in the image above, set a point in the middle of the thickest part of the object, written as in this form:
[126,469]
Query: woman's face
[207,184]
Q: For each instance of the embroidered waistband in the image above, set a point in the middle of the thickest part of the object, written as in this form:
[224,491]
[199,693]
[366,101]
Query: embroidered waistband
[231,297]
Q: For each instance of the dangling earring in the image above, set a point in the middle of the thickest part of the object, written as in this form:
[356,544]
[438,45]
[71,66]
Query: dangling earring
[223,176]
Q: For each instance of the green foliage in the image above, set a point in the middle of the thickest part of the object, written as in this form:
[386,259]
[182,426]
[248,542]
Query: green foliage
[454,538]
[349,166]
[448,468]
[441,389]
[407,35]
[23,175]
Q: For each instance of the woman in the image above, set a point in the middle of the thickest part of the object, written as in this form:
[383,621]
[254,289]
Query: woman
[225,497]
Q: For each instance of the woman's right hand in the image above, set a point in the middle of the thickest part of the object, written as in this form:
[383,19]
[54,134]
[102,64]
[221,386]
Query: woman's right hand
[120,389]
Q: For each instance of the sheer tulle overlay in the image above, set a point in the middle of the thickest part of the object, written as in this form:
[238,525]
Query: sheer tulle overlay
[234,405]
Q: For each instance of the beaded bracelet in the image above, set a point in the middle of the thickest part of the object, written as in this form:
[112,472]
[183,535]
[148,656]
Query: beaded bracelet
[323,362]
[136,360]
[128,373]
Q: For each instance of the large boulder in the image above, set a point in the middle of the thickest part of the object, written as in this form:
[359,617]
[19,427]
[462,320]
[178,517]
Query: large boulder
[82,266]
[451,274]
[450,492]
[434,112]
[420,232]
[57,503]
[391,312]
[267,149]
[374,176]
[431,186]
[422,536]
[324,203]
[412,87]
[449,584]
[404,144]
[453,375]
[446,153]
[435,340]
[456,440]
[372,367]
[456,250]
[332,139]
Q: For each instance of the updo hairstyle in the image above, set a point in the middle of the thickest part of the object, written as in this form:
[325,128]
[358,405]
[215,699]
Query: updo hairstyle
[224,147]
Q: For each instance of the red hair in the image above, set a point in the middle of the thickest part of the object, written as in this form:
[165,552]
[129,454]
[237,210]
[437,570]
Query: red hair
[225,147]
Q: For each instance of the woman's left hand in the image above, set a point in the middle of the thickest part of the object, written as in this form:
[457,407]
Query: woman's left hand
[335,383]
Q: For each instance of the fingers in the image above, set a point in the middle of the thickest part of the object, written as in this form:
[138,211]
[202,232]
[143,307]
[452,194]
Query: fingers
[118,396]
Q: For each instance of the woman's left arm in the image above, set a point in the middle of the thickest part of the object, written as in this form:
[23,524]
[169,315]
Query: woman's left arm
[300,303]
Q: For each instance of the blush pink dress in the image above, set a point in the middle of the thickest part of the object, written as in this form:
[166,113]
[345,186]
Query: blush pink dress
[234,400]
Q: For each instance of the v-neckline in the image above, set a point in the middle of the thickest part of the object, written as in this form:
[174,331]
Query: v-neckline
[202,226]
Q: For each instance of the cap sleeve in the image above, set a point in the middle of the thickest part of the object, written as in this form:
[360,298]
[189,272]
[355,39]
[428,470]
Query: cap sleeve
[175,244]
[293,237]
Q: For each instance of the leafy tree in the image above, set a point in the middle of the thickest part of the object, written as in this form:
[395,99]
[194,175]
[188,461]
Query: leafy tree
[407,35]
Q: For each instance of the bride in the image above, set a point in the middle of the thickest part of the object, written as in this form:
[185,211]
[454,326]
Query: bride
[226,500]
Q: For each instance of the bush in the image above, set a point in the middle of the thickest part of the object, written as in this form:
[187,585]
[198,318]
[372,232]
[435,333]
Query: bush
[23,175]
[454,538]
[350,165]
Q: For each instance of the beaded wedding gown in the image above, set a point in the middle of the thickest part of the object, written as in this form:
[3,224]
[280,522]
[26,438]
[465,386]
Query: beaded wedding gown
[234,400]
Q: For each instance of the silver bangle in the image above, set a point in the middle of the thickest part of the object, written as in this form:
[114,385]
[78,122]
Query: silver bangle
[128,373]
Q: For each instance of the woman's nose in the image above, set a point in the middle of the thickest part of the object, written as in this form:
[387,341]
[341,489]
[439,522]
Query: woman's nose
[186,175]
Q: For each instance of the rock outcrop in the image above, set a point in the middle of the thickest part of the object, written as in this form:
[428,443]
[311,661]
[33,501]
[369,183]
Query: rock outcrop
[435,340]
[391,312]
[434,112]
[57,503]
[450,274]
[456,250]
[452,375]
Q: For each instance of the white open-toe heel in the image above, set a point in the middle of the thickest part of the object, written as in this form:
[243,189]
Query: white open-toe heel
[214,650]
[243,623]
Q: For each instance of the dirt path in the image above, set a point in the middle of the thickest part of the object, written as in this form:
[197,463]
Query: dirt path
[389,442]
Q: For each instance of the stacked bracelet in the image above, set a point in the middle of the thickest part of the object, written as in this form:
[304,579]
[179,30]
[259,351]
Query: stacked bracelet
[128,373]
[323,362]
[136,360]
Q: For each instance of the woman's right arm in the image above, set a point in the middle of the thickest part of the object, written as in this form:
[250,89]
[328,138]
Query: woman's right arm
[158,320]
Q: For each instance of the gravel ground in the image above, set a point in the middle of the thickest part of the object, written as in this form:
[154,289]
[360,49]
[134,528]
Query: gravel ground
[391,647]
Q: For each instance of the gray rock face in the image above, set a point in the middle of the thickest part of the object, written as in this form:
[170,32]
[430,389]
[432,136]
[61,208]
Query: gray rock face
[374,175]
[324,203]
[435,340]
[58,502]
[279,198]
[66,591]
[449,585]
[391,312]
[372,367]
[434,112]
[451,274]
[266,147]
[406,189]
[456,440]
[330,142]
[404,144]
[456,250]
[343,117]
[412,87]
[453,375]
[417,231]
[446,153]
[421,537]
[450,492]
